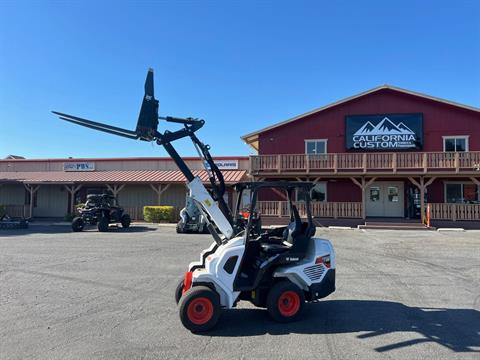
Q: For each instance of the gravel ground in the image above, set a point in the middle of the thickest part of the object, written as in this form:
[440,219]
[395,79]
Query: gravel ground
[90,295]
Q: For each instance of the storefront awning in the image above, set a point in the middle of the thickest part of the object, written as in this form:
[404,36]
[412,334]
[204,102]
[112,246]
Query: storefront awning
[112,177]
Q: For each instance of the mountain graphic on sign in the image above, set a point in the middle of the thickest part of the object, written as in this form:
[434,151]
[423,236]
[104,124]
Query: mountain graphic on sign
[405,128]
[366,128]
[384,127]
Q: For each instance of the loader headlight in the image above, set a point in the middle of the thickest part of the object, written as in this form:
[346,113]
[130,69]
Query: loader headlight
[325,260]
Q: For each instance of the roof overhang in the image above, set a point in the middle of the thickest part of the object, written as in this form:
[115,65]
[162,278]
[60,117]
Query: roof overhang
[113,177]
[251,140]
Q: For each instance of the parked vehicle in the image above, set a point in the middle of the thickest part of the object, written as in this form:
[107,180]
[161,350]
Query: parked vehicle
[191,219]
[279,269]
[101,210]
[7,222]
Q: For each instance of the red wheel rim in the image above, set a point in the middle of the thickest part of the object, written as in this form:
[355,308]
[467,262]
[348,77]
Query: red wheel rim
[288,303]
[200,310]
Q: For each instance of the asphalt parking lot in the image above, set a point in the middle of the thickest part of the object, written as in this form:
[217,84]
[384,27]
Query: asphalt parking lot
[90,295]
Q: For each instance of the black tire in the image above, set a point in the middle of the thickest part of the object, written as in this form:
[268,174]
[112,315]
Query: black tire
[125,220]
[115,215]
[199,309]
[78,224]
[179,228]
[102,224]
[285,302]
[179,290]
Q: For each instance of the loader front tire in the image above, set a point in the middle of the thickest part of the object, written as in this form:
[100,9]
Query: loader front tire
[199,309]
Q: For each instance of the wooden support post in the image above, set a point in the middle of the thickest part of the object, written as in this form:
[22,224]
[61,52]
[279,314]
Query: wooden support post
[364,200]
[159,190]
[394,162]
[363,186]
[475,181]
[422,198]
[307,163]
[364,162]
[457,162]
[115,189]
[72,189]
[414,182]
[110,188]
[430,181]
[279,163]
[32,190]
[335,163]
[279,193]
[422,186]
[425,163]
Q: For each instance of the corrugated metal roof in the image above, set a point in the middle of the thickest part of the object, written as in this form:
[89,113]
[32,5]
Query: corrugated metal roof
[131,176]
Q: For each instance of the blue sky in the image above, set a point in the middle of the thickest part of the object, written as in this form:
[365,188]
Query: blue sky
[240,65]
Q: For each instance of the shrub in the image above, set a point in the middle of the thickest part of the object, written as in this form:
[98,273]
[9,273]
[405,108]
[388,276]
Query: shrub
[3,210]
[158,213]
[68,217]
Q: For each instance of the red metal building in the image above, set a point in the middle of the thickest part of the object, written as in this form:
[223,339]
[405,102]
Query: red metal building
[387,152]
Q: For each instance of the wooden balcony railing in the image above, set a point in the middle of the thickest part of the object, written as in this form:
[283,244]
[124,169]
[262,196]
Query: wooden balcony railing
[412,162]
[445,211]
[319,209]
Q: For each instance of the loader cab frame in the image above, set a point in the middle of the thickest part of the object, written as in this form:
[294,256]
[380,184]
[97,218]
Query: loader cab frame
[273,247]
[289,189]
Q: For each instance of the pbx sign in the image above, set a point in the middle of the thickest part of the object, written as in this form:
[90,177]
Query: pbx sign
[384,132]
[79,166]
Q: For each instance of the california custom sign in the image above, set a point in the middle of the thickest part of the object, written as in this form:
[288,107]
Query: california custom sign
[385,132]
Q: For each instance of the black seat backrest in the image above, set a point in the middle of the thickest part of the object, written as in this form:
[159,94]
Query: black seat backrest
[301,238]
[294,228]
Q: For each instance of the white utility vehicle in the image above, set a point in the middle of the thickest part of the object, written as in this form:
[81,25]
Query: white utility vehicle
[279,269]
[191,219]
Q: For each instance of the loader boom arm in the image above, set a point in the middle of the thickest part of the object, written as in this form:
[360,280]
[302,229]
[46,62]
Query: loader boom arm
[210,201]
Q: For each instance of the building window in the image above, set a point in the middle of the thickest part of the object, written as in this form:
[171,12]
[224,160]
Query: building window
[314,147]
[374,193]
[319,192]
[455,143]
[461,193]
[393,193]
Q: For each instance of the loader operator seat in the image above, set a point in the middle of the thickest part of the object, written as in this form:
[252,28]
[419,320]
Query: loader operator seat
[293,235]
[294,228]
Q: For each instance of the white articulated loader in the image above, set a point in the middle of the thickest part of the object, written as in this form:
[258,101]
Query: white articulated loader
[279,269]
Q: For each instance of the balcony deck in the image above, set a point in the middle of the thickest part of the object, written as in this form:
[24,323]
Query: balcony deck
[353,210]
[378,163]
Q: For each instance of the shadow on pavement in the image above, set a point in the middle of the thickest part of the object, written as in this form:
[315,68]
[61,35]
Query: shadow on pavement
[456,329]
[61,229]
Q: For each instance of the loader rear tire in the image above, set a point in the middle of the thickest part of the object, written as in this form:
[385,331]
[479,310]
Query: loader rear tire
[285,301]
